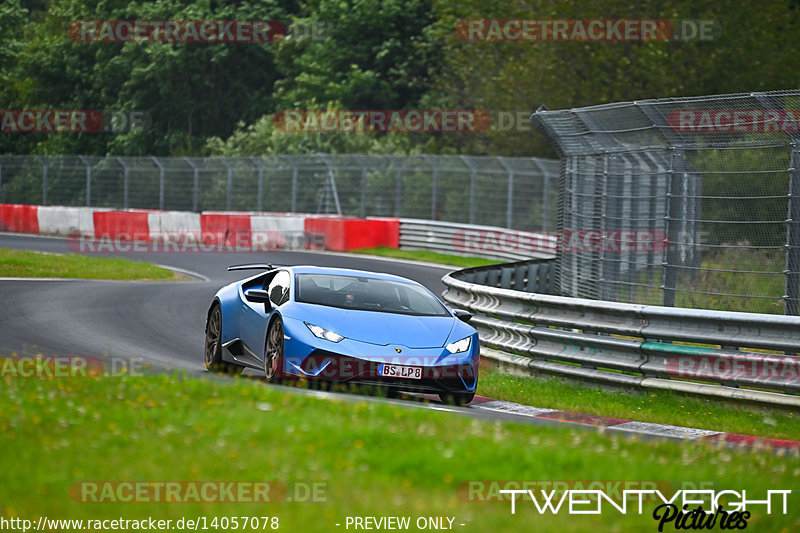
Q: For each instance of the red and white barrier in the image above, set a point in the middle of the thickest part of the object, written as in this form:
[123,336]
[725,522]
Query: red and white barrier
[19,218]
[234,229]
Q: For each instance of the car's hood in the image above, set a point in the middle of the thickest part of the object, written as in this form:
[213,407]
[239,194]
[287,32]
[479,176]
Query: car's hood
[381,328]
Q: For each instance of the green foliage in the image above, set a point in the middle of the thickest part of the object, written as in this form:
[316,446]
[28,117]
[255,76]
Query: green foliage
[376,54]
[190,91]
[752,50]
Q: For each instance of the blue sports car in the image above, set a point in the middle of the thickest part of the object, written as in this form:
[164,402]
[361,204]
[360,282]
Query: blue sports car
[343,325]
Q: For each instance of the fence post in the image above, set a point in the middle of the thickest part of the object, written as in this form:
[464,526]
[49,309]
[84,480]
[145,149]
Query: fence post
[195,183]
[363,210]
[545,194]
[332,183]
[1,183]
[792,292]
[509,192]
[126,182]
[44,178]
[398,191]
[229,183]
[435,185]
[160,182]
[293,206]
[671,219]
[473,181]
[260,192]
[88,181]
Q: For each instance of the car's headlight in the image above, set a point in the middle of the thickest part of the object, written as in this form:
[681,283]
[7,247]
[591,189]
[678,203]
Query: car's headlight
[323,333]
[460,346]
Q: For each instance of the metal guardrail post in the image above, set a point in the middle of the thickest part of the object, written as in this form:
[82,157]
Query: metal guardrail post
[88,180]
[229,184]
[126,182]
[509,193]
[792,292]
[398,188]
[671,220]
[545,194]
[363,210]
[293,195]
[434,185]
[332,183]
[161,179]
[195,184]
[473,182]
[260,191]
[43,162]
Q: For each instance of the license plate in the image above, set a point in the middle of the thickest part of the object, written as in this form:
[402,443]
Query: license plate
[399,371]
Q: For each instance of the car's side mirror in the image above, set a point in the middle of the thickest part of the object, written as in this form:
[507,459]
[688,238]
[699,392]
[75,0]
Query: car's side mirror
[277,294]
[462,314]
[257,296]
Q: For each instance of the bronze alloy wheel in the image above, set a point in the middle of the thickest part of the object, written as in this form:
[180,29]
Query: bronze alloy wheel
[213,352]
[273,356]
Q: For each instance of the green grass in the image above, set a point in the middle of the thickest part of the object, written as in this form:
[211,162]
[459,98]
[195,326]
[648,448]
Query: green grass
[25,264]
[376,459]
[719,283]
[664,407]
[428,256]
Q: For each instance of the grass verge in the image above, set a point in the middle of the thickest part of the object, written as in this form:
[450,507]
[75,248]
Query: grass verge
[663,407]
[26,264]
[427,256]
[372,458]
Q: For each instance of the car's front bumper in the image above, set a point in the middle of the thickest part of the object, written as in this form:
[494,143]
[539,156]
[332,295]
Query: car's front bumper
[356,362]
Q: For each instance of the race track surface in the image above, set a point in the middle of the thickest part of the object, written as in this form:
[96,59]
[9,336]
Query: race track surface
[160,322]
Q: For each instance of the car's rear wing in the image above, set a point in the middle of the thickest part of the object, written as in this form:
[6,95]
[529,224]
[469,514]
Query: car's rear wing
[252,266]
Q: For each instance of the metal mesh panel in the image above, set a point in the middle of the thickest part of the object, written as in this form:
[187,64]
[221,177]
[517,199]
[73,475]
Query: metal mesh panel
[513,192]
[716,176]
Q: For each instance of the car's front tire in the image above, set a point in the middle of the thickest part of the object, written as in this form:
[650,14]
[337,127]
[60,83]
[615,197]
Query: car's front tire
[273,354]
[457,398]
[213,351]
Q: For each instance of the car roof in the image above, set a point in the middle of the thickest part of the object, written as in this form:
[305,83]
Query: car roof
[307,269]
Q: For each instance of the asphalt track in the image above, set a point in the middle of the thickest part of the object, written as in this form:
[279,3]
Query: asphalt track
[161,324]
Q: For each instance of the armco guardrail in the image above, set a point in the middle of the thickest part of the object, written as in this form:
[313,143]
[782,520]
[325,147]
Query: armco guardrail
[471,240]
[712,353]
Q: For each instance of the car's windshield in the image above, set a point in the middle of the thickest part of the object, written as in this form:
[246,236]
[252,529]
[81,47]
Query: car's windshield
[367,294]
